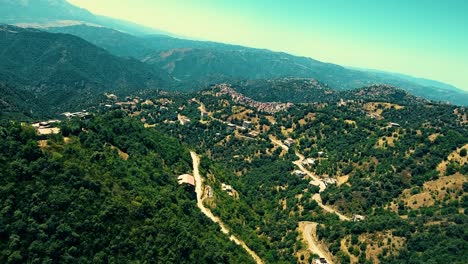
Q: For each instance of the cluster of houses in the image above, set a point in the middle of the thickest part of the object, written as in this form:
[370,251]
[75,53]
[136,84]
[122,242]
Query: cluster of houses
[45,127]
[268,107]
[344,102]
[245,125]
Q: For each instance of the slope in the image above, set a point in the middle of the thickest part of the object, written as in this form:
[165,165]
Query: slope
[196,63]
[67,70]
[77,201]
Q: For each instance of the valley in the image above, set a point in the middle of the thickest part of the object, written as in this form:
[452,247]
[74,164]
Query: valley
[285,175]
[262,170]
[123,143]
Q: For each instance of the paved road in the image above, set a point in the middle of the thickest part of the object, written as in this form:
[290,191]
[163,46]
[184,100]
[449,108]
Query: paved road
[199,191]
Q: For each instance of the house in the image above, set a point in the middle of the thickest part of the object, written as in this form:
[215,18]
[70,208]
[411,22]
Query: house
[357,218]
[328,181]
[299,173]
[308,162]
[246,124]
[231,127]
[252,134]
[187,179]
[82,115]
[289,142]
[45,124]
[320,153]
[341,102]
[225,187]
[228,189]
[320,261]
[394,124]
[111,96]
[44,127]
[183,120]
[209,191]
[147,102]
[203,113]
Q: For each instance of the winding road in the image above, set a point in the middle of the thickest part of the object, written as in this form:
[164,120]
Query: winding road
[315,180]
[199,191]
[310,234]
[309,229]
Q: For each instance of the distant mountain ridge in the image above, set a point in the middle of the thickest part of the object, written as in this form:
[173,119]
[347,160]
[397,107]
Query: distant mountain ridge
[199,63]
[67,71]
[59,11]
[196,64]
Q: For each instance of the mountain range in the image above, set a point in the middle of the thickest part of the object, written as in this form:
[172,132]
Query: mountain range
[46,13]
[204,152]
[197,63]
[73,55]
[63,71]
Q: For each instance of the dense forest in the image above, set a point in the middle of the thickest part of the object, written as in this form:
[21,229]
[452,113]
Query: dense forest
[75,199]
[105,189]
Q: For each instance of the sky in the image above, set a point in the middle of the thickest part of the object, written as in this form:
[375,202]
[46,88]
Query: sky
[423,38]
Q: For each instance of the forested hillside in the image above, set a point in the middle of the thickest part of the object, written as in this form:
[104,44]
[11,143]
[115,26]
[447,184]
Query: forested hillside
[195,64]
[399,167]
[62,72]
[368,175]
[76,198]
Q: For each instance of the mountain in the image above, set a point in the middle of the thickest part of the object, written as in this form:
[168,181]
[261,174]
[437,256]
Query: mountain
[420,81]
[219,65]
[66,71]
[378,177]
[106,193]
[127,45]
[306,90]
[380,172]
[199,63]
[44,13]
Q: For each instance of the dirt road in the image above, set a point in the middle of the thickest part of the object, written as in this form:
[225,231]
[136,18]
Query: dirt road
[327,208]
[315,180]
[199,191]
[309,232]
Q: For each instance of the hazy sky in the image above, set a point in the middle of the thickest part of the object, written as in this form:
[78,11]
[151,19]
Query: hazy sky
[424,38]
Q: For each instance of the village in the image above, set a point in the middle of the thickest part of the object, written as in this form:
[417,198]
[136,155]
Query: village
[135,106]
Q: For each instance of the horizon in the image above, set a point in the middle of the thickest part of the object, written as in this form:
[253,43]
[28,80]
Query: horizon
[392,37]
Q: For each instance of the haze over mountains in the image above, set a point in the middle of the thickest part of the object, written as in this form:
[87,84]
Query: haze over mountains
[123,144]
[61,71]
[44,13]
[121,55]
